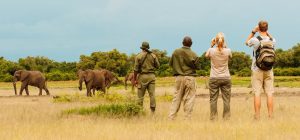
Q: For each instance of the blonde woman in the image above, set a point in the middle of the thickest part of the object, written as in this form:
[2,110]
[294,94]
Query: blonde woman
[219,75]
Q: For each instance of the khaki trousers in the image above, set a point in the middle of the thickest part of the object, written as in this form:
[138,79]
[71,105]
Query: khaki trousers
[185,90]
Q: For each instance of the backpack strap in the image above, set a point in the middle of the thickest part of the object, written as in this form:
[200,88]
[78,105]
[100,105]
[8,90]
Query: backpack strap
[143,61]
[259,38]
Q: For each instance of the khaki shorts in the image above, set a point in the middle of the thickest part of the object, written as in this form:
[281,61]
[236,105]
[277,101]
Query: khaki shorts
[262,80]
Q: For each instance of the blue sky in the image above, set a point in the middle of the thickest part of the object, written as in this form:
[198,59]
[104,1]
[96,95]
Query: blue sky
[62,30]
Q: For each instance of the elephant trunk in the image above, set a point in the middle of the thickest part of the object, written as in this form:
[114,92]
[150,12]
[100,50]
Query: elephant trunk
[15,86]
[80,84]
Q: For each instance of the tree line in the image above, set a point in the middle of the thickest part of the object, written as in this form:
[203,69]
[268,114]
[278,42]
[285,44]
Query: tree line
[287,64]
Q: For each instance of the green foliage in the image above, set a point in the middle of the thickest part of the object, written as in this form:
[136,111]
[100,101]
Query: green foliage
[38,63]
[117,110]
[284,58]
[85,62]
[238,62]
[287,63]
[7,69]
[60,76]
[203,72]
[112,97]
[69,67]
[6,78]
[296,55]
[245,72]
[113,60]
[287,71]
[205,64]
[288,58]
[164,69]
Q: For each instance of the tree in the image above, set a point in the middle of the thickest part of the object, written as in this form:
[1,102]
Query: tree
[239,61]
[39,63]
[284,58]
[7,69]
[296,55]
[113,61]
[164,69]
[85,62]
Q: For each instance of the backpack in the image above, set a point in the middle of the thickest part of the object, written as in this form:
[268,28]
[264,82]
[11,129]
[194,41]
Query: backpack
[265,54]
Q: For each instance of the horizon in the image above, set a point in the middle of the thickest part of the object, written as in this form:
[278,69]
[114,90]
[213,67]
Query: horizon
[64,30]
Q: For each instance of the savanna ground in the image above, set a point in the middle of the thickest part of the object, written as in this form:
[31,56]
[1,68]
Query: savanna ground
[42,117]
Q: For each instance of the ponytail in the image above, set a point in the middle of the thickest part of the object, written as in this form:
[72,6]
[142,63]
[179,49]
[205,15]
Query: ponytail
[220,44]
[220,41]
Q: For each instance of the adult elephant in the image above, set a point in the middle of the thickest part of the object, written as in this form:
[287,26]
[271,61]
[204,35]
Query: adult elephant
[32,78]
[129,77]
[93,79]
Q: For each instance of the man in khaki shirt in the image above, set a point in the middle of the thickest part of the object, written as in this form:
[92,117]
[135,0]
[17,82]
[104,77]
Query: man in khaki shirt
[184,63]
[144,74]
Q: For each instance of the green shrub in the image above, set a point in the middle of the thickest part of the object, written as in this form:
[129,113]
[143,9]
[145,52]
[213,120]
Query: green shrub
[112,97]
[287,71]
[203,72]
[109,110]
[6,78]
[245,72]
[60,76]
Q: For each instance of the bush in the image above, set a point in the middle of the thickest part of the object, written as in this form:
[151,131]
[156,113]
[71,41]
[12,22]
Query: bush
[109,110]
[6,78]
[245,72]
[60,76]
[287,71]
[114,97]
[203,72]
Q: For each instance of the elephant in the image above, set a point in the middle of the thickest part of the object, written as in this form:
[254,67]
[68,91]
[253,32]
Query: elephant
[93,79]
[110,78]
[32,78]
[129,77]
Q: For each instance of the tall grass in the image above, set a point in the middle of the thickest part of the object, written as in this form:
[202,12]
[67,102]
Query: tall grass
[38,118]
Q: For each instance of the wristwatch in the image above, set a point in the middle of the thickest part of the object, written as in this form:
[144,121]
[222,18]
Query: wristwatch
[253,32]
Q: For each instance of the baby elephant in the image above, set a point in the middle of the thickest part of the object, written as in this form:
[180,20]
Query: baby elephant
[93,79]
[32,78]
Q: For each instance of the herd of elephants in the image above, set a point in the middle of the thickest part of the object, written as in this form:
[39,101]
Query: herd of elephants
[93,79]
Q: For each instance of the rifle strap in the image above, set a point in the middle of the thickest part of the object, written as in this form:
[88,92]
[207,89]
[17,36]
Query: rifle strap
[143,61]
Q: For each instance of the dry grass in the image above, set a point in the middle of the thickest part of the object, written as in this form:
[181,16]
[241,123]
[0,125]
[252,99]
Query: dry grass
[40,118]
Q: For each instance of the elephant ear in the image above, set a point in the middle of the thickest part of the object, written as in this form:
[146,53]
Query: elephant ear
[89,75]
[24,75]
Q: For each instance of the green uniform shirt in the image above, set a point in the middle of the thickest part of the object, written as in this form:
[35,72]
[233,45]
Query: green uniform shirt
[150,64]
[184,62]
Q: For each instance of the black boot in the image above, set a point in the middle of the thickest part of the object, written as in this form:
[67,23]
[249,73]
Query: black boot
[152,109]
